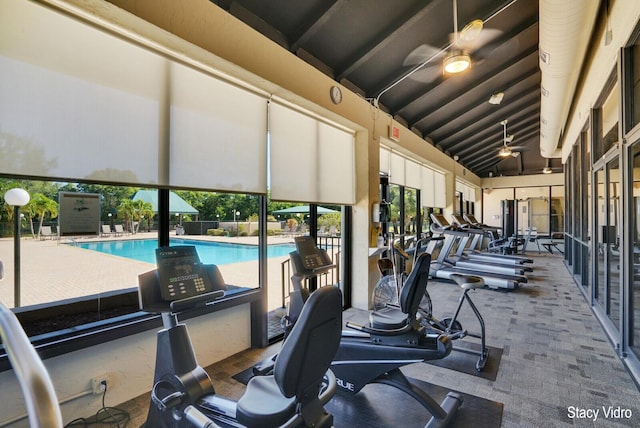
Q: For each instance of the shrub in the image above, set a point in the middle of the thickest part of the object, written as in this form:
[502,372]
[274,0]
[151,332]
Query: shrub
[216,232]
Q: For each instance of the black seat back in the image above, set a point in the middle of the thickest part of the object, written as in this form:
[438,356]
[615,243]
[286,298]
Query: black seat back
[415,285]
[311,346]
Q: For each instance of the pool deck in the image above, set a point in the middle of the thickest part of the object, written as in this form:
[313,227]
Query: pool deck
[45,267]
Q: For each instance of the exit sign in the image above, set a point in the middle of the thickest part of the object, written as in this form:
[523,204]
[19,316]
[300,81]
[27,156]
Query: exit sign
[394,133]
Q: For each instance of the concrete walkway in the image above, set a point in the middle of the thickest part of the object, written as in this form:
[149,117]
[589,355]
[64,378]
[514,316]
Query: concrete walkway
[54,270]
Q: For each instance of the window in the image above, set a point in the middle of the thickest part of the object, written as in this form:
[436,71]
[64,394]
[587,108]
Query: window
[101,263]
[115,118]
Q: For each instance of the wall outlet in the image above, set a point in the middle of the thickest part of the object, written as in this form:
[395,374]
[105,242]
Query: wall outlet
[100,383]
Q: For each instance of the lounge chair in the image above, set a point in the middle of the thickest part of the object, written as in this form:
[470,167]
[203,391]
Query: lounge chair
[293,231]
[119,230]
[106,230]
[46,233]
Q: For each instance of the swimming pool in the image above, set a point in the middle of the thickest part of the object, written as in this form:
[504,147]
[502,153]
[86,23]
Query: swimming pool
[218,253]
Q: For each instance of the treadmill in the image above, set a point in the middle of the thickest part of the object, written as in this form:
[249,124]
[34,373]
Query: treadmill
[459,257]
[471,250]
[473,222]
[442,267]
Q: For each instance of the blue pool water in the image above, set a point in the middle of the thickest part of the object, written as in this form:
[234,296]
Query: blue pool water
[218,253]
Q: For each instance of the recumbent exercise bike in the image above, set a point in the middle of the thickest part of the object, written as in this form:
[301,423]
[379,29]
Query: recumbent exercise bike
[393,338]
[183,394]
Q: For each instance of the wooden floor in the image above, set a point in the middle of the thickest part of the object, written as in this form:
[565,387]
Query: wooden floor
[221,374]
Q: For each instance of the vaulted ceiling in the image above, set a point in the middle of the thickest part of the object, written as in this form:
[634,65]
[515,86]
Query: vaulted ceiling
[392,53]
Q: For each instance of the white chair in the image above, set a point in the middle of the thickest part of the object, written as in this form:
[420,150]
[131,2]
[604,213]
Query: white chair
[46,233]
[106,230]
[119,230]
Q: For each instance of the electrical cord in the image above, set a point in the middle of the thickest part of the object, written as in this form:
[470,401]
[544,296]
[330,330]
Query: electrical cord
[105,415]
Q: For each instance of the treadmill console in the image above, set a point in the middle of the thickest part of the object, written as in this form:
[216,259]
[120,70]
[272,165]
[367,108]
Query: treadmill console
[440,220]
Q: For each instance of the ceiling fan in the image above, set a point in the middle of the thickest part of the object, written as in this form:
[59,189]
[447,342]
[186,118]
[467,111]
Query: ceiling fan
[506,150]
[456,56]
[548,169]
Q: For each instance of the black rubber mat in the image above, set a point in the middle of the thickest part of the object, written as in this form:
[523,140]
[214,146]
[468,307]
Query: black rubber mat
[466,363]
[244,376]
[382,406]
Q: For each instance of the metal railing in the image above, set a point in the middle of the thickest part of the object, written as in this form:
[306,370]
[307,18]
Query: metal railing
[37,389]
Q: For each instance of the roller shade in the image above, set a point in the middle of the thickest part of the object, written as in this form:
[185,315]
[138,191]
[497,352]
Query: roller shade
[468,192]
[397,169]
[427,194]
[440,198]
[310,160]
[75,102]
[385,159]
[85,105]
[413,174]
[218,136]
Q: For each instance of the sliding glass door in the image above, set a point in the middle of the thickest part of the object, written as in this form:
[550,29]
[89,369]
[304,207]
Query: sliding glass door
[607,288]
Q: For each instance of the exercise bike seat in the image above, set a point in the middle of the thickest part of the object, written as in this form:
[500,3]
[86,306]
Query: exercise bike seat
[300,368]
[394,317]
[467,282]
[264,405]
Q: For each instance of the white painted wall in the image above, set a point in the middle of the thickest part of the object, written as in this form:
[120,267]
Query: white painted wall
[130,361]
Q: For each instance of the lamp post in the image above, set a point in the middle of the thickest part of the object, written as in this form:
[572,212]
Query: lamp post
[235,218]
[17,198]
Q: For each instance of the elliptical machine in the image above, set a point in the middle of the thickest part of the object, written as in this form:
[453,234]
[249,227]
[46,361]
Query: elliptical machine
[183,394]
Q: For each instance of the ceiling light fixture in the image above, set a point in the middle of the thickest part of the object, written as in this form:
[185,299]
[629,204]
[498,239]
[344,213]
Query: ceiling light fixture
[472,30]
[457,62]
[505,152]
[496,98]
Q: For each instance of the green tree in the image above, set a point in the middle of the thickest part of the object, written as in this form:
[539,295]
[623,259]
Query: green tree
[126,210]
[39,207]
[141,209]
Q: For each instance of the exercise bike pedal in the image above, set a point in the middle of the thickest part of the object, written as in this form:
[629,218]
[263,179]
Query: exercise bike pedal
[482,361]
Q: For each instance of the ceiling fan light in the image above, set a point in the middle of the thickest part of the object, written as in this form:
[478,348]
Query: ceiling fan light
[546,170]
[505,152]
[472,30]
[496,98]
[457,62]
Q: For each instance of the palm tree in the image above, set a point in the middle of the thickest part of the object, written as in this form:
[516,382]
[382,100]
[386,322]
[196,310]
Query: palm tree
[142,209]
[39,206]
[126,210]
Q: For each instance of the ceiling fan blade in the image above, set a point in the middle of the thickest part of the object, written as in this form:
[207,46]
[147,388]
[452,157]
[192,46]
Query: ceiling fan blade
[497,51]
[483,38]
[428,73]
[421,54]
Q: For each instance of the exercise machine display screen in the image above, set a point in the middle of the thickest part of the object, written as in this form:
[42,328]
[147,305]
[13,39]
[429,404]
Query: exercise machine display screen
[180,272]
[312,257]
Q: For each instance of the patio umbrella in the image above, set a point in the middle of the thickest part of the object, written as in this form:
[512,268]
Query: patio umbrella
[304,209]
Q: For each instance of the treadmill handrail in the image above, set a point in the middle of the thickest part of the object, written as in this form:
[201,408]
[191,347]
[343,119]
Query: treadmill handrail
[39,395]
